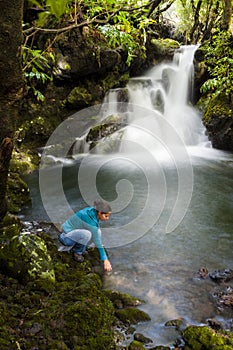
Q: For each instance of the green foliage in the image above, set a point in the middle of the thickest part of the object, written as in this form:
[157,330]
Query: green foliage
[127,33]
[219,60]
[124,23]
[185,16]
[196,19]
[107,8]
[119,39]
[56,8]
[36,67]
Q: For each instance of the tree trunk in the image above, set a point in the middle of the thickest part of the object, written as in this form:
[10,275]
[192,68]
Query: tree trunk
[227,14]
[11,84]
[153,5]
[196,24]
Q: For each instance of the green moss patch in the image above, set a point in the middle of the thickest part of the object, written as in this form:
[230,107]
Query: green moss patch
[202,338]
[132,316]
[47,300]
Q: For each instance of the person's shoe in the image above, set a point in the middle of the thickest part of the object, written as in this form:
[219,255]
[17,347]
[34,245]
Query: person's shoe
[64,248]
[78,257]
[85,253]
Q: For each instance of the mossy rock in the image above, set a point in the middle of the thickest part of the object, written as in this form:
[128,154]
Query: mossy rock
[136,345]
[122,300]
[25,257]
[165,47]
[35,131]
[113,80]
[79,97]
[202,338]
[18,194]
[90,318]
[132,316]
[142,339]
[24,162]
[178,323]
[10,226]
[68,318]
[218,108]
[219,122]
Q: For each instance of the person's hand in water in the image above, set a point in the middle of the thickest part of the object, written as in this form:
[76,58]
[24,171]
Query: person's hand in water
[107,266]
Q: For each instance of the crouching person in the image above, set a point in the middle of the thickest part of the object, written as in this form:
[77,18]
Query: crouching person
[83,227]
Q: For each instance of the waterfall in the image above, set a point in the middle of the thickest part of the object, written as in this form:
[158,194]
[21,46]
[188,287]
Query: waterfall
[159,104]
[154,111]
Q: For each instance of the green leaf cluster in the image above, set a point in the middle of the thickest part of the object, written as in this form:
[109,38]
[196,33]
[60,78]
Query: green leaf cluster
[36,68]
[218,57]
[56,8]
[119,39]
[127,31]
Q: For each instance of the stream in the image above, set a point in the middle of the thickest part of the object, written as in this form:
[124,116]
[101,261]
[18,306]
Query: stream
[171,195]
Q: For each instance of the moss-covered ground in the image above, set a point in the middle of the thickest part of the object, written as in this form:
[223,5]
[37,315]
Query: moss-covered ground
[57,303]
[74,314]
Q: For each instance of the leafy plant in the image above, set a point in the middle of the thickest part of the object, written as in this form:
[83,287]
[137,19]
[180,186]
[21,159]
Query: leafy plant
[36,68]
[119,39]
[54,7]
[127,33]
[57,7]
[219,60]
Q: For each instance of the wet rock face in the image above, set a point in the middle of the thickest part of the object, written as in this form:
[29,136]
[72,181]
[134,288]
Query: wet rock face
[104,133]
[220,132]
[222,295]
[217,116]
[82,52]
[221,275]
[219,123]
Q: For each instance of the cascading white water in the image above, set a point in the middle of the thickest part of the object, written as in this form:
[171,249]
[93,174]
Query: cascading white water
[159,102]
[155,111]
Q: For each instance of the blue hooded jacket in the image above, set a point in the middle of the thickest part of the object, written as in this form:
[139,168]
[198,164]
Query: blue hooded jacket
[86,219]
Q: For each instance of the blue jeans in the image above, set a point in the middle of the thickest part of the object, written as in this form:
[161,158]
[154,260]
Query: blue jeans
[77,239]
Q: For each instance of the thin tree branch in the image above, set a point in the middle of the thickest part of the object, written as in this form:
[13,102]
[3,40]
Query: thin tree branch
[85,23]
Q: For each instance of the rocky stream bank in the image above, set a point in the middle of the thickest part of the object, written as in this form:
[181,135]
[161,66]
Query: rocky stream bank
[49,301]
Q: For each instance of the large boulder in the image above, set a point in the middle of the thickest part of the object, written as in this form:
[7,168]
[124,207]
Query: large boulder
[82,52]
[218,120]
[25,257]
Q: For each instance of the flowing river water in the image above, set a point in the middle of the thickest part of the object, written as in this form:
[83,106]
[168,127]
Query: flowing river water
[171,195]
